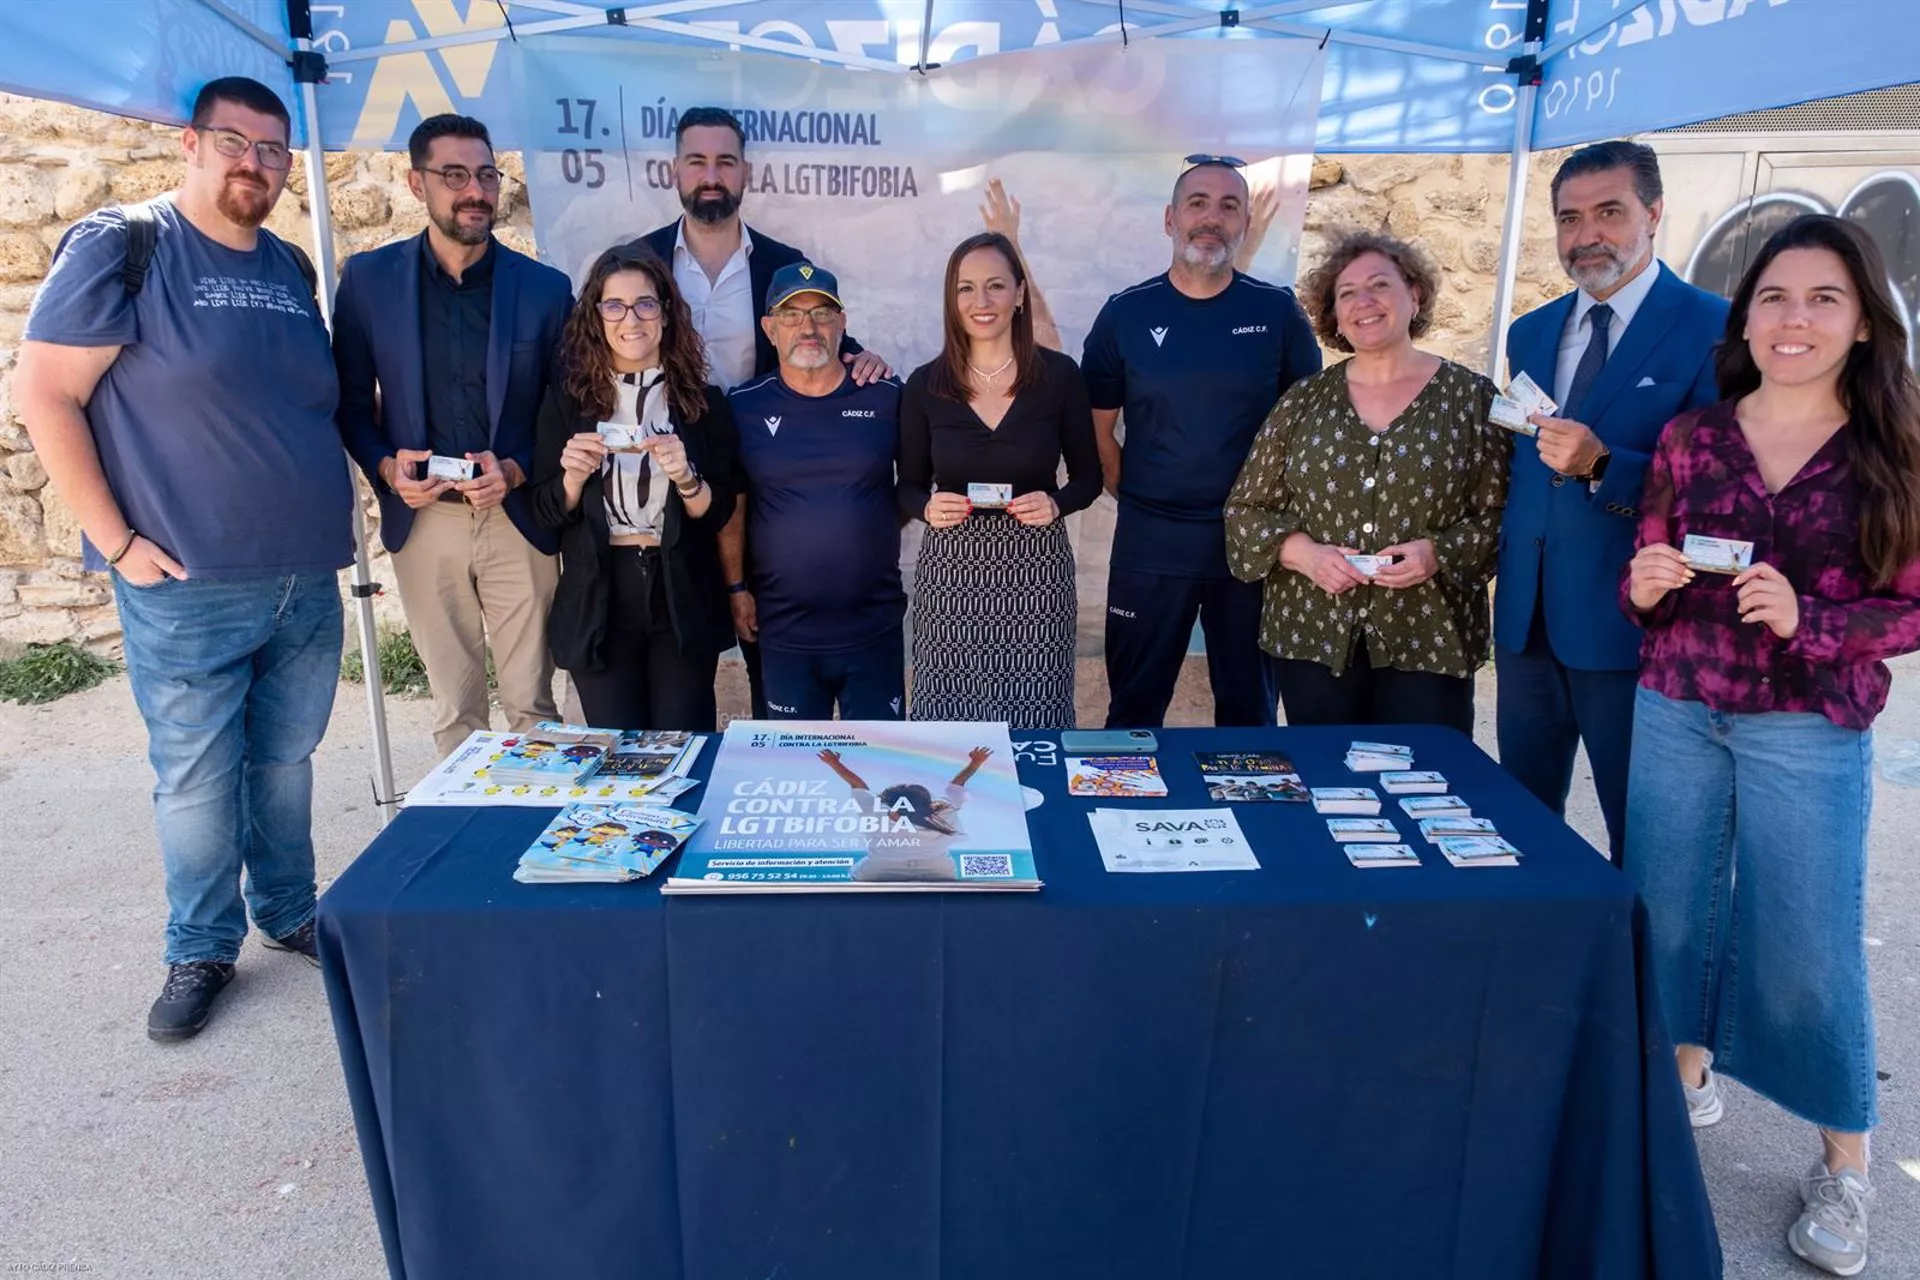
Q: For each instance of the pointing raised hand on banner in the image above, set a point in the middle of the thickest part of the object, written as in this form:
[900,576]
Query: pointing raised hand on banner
[1000,212]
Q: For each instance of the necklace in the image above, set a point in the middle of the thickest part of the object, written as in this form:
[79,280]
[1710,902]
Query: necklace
[996,373]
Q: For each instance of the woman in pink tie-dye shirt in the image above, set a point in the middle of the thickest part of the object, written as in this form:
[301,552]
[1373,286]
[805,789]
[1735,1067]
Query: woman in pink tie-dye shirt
[1751,781]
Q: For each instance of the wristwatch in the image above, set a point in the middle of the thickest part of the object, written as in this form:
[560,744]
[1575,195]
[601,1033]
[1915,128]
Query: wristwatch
[736,588]
[1598,472]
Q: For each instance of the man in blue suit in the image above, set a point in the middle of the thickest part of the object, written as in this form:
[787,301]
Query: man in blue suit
[1623,354]
[444,344]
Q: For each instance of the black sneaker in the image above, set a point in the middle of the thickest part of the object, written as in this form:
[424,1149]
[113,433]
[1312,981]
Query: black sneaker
[300,942]
[186,1001]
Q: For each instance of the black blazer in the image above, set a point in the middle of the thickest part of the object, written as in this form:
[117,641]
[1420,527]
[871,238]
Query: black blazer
[696,591]
[767,256]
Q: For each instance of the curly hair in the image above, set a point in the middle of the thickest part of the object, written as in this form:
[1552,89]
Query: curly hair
[1414,266]
[586,361]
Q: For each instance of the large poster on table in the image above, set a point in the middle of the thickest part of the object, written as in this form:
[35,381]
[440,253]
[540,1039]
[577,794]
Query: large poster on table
[860,805]
[877,177]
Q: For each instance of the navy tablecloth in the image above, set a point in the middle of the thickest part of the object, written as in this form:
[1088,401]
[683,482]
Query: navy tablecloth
[1308,1070]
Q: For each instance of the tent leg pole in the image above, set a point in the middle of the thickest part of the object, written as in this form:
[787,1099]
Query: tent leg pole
[321,207]
[1513,226]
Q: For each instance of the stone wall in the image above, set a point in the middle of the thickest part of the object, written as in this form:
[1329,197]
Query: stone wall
[58,163]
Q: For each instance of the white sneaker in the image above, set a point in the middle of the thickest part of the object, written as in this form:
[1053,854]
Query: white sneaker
[1703,1104]
[1831,1232]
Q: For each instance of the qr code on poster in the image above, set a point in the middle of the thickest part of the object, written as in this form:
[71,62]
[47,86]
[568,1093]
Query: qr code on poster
[986,866]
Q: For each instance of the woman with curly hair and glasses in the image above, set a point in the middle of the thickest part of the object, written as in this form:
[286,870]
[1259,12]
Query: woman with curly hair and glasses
[635,463]
[1370,503]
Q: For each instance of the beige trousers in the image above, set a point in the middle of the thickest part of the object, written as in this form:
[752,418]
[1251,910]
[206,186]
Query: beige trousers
[467,577]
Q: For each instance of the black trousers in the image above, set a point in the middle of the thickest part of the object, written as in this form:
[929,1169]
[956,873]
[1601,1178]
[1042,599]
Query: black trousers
[1149,621]
[1365,694]
[647,682]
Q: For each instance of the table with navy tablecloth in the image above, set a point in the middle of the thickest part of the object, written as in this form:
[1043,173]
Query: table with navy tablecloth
[1306,1070]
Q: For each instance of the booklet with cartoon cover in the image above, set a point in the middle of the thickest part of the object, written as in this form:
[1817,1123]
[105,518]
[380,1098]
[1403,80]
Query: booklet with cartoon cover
[1249,775]
[538,758]
[834,806]
[1115,777]
[590,842]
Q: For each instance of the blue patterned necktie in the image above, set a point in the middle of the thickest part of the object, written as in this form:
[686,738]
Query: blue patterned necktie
[1592,360]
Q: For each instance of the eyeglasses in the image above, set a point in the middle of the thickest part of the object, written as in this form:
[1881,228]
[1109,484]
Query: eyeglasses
[1200,158]
[457,176]
[790,317]
[613,311]
[233,144]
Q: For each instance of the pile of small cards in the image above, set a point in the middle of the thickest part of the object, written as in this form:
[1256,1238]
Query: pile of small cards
[1378,757]
[1445,820]
[604,843]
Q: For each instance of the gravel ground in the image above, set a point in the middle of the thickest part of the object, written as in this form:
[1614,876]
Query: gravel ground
[233,1155]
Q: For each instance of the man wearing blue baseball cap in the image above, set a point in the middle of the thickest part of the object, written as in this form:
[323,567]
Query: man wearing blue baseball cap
[818,452]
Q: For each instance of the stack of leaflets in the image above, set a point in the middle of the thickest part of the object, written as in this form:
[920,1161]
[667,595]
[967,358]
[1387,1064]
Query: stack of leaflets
[1381,855]
[1418,807]
[1458,824]
[1352,800]
[1115,777]
[1376,757]
[606,843]
[1171,840]
[545,758]
[1478,851]
[1363,830]
[632,771]
[810,806]
[1413,782]
[1243,775]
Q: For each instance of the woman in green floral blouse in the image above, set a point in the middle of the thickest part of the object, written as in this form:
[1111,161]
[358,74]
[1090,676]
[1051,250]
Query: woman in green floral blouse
[1388,455]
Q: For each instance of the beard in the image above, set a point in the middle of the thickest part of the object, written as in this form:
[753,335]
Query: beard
[1604,266]
[810,357]
[460,233]
[710,204]
[1195,254]
[244,200]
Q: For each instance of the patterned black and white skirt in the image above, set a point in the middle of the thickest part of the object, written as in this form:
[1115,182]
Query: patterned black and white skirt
[994,609]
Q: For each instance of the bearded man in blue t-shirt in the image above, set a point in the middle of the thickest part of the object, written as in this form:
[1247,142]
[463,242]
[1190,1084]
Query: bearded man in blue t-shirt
[1195,357]
[188,422]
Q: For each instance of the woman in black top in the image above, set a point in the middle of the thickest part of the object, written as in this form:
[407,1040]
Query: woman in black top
[983,429]
[640,617]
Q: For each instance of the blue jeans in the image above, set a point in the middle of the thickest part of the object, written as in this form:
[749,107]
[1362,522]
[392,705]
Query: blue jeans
[1747,837]
[235,679]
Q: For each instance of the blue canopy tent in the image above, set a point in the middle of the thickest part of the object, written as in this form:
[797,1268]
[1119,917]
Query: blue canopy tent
[1401,75]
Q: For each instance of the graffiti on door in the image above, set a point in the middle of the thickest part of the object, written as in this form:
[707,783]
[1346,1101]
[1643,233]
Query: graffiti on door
[1887,205]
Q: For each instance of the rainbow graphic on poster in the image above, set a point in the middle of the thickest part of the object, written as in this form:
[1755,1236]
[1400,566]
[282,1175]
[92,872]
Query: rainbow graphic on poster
[838,805]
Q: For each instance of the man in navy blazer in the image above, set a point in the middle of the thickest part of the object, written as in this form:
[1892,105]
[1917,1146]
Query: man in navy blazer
[444,344]
[1622,355]
[724,268]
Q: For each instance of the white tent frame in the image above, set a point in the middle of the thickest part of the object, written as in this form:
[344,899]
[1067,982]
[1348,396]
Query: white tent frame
[661,16]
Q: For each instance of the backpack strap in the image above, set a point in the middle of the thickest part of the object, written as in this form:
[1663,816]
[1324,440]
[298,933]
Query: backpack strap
[143,233]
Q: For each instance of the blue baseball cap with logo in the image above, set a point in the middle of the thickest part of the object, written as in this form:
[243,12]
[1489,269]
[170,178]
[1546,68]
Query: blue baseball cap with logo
[803,277]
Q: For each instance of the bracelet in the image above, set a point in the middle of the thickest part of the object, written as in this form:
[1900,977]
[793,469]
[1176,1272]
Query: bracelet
[125,547]
[689,494]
